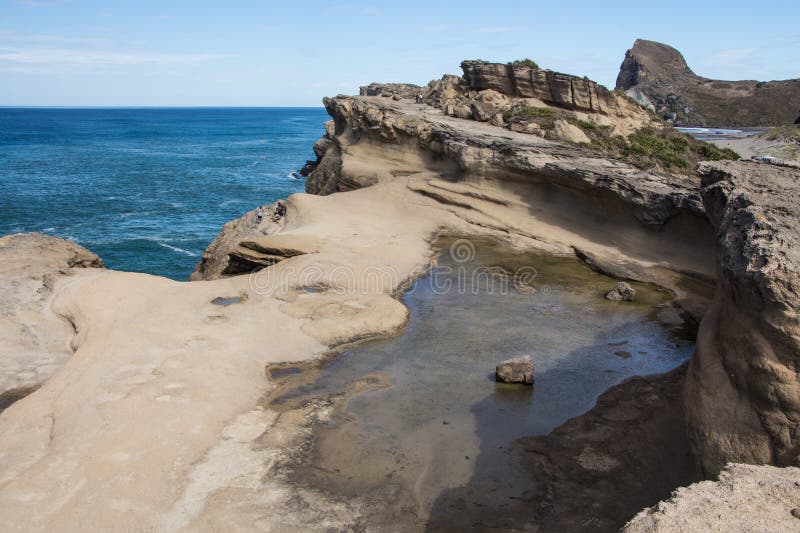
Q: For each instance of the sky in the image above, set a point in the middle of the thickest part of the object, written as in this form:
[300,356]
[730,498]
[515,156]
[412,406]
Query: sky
[263,53]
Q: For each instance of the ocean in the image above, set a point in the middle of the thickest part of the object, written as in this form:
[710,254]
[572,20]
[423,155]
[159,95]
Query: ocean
[147,189]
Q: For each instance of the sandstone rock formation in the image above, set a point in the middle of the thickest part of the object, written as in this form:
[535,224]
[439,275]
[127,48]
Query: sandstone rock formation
[743,386]
[522,81]
[746,498]
[522,98]
[515,370]
[657,75]
[466,150]
[31,267]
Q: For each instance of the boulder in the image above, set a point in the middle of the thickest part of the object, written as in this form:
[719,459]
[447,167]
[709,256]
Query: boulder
[516,370]
[621,292]
[482,111]
[570,133]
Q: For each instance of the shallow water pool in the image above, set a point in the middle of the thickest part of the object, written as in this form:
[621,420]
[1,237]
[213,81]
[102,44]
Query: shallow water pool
[420,413]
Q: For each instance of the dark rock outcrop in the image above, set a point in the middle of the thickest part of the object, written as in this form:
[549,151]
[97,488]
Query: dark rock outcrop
[519,80]
[657,75]
[743,387]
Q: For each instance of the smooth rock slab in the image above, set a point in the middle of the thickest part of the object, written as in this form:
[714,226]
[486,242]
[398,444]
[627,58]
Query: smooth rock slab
[516,370]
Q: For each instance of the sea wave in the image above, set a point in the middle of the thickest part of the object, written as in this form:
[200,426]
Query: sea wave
[175,248]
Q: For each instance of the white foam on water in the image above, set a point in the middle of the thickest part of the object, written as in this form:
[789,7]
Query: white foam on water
[175,248]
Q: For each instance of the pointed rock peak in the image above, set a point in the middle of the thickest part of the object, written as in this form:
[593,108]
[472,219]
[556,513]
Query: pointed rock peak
[651,60]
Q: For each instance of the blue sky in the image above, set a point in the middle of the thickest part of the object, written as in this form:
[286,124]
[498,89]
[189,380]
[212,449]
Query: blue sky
[248,53]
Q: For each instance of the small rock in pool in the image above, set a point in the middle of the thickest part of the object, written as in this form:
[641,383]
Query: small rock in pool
[516,370]
[622,291]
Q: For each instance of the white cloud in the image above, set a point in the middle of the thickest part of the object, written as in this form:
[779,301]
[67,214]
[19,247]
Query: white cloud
[92,57]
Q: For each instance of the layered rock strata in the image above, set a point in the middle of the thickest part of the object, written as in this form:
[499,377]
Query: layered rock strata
[522,81]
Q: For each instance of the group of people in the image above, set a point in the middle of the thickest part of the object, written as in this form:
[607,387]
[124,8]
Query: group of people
[279,213]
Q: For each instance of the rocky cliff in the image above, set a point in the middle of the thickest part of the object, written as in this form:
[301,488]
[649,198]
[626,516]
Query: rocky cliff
[743,387]
[658,77]
[658,204]
[522,98]
[523,81]
[466,149]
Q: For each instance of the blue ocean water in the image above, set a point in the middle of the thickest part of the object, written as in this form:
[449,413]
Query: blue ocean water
[147,189]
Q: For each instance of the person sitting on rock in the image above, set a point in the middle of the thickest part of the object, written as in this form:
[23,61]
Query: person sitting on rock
[280,211]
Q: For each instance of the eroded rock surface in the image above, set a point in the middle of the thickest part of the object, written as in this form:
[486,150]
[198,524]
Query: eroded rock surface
[746,498]
[522,81]
[31,265]
[469,150]
[743,387]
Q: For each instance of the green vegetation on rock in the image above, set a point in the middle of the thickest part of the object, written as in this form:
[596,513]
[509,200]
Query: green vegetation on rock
[666,147]
[530,63]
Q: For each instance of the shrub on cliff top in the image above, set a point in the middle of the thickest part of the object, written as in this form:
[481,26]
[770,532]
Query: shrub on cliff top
[530,63]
